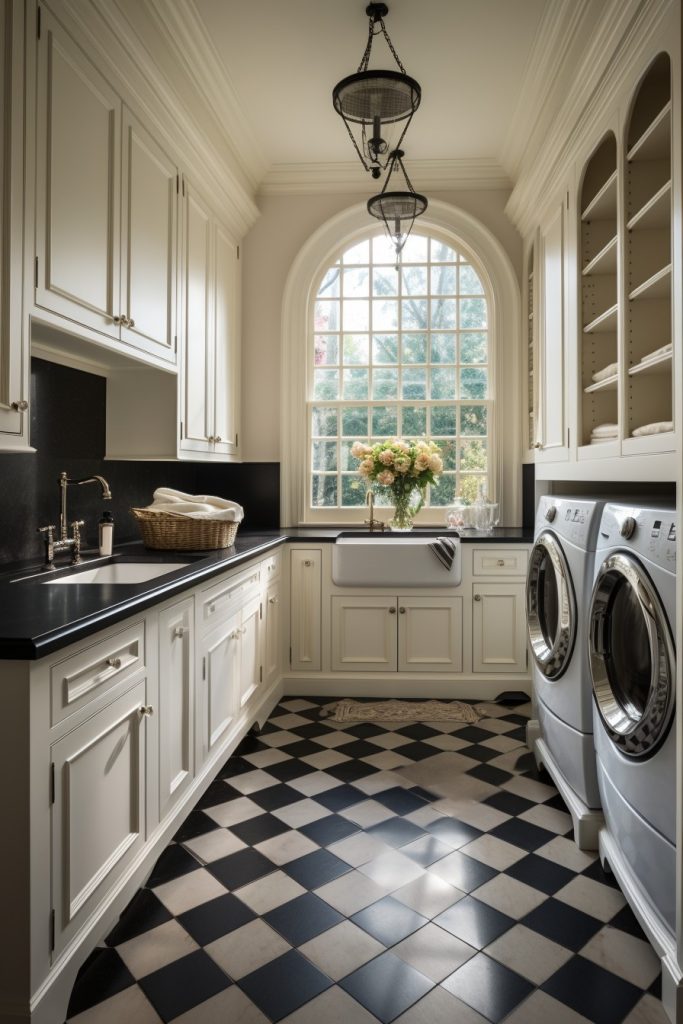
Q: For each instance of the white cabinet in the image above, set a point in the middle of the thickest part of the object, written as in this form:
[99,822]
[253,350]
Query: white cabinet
[209,372]
[499,628]
[364,634]
[14,359]
[305,609]
[98,817]
[554,443]
[272,632]
[430,634]
[106,207]
[249,667]
[176,703]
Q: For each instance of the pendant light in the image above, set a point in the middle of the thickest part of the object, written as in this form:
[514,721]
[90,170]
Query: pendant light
[397,210]
[372,100]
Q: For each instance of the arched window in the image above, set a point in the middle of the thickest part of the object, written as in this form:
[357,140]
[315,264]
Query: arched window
[399,353]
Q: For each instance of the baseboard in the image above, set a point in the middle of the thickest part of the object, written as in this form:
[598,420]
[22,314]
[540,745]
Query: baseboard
[388,684]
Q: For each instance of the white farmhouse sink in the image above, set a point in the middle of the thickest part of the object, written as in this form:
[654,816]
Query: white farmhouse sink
[121,572]
[393,561]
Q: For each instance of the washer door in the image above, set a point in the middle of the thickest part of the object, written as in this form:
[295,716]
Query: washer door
[632,657]
[550,606]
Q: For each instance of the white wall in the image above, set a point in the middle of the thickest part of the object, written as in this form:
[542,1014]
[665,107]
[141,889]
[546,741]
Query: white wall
[286,222]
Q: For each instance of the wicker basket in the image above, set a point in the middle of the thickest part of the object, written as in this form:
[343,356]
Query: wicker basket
[170,531]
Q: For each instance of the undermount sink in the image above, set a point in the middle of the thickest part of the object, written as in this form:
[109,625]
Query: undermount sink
[392,561]
[121,572]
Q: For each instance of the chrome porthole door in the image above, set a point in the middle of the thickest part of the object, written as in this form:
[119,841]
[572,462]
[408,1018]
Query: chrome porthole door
[550,606]
[632,657]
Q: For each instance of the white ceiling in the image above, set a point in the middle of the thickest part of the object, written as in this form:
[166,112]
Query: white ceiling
[283,57]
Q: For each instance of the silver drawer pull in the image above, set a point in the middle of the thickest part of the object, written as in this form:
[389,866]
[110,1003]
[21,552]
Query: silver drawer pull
[179,631]
[308,563]
[146,710]
[114,662]
[501,561]
[212,609]
[235,635]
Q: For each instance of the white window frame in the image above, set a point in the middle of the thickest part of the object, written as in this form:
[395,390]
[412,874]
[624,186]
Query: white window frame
[474,241]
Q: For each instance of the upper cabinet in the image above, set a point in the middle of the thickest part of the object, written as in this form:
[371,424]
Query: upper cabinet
[14,383]
[105,207]
[553,442]
[531,425]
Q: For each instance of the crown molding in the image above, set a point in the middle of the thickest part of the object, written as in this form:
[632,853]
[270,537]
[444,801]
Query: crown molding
[114,44]
[624,34]
[349,178]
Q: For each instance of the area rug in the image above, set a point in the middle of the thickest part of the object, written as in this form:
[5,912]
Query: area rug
[402,711]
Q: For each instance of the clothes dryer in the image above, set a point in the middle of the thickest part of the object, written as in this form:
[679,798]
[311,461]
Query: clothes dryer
[558,594]
[633,669]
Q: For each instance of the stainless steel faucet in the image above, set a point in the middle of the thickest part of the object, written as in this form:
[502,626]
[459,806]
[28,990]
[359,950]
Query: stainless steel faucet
[372,523]
[65,542]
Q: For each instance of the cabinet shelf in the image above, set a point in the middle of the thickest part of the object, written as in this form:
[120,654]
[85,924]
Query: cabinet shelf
[652,367]
[605,262]
[655,213]
[608,384]
[658,286]
[605,323]
[603,205]
[655,142]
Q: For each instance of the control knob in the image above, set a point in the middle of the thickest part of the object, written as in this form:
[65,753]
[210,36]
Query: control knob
[551,512]
[628,527]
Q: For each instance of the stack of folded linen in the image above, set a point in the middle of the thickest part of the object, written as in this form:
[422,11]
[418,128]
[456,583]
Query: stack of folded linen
[607,371]
[604,432]
[661,427]
[196,506]
[656,355]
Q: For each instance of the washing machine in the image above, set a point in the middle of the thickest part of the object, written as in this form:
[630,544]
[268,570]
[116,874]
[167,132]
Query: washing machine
[633,670]
[559,585]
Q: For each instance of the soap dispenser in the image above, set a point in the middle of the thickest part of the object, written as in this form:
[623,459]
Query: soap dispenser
[106,533]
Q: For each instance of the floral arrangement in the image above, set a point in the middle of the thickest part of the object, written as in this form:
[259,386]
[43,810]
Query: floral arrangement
[397,468]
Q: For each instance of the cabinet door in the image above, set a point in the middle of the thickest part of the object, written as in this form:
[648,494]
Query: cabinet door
[305,619]
[220,675]
[176,703]
[197,327]
[553,401]
[227,372]
[430,634]
[499,628]
[98,816]
[148,243]
[364,634]
[78,221]
[272,633]
[251,670]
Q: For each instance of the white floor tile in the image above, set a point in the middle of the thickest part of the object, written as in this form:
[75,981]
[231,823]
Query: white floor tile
[313,783]
[632,959]
[189,891]
[213,845]
[303,812]
[229,1005]
[359,849]
[591,897]
[350,893]
[434,952]
[392,870]
[565,852]
[367,813]
[440,1007]
[269,892]
[528,953]
[429,895]
[247,948]
[252,782]
[130,1005]
[325,759]
[156,948]
[288,846]
[335,1006]
[510,896]
[232,812]
[493,851]
[549,818]
[540,1008]
[341,950]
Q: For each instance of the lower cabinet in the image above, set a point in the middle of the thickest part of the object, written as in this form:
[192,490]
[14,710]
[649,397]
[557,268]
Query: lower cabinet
[272,632]
[364,634]
[176,703]
[499,640]
[430,634]
[305,609]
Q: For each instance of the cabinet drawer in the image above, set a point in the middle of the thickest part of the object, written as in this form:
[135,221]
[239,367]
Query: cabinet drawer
[495,562]
[95,670]
[225,598]
[271,568]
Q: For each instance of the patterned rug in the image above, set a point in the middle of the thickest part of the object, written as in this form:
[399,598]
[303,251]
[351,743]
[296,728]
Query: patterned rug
[403,711]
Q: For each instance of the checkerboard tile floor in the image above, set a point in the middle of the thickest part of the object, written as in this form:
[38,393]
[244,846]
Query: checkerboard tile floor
[319,878]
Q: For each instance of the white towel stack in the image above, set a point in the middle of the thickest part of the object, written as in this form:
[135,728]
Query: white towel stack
[196,506]
[607,371]
[662,427]
[604,432]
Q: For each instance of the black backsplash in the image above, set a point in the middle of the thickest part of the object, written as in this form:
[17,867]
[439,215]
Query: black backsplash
[68,410]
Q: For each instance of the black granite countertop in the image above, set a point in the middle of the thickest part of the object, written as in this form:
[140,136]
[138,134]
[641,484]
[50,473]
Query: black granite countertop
[37,618]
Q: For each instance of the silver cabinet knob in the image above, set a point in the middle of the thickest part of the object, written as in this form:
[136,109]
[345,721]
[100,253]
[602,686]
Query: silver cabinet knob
[402,611]
[114,662]
[218,440]
[179,631]
[628,527]
[392,611]
[550,513]
[130,323]
[146,710]
[118,320]
[273,600]
[477,597]
[537,444]
[308,563]
[235,635]
[20,406]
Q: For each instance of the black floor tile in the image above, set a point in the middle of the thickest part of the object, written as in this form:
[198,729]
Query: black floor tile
[173,862]
[468,873]
[286,771]
[183,984]
[102,976]
[557,803]
[285,984]
[418,751]
[326,831]
[240,868]
[389,921]
[303,918]
[480,753]
[309,732]
[359,748]
[509,803]
[302,748]
[418,731]
[474,922]
[386,986]
[144,912]
[427,850]
[474,734]
[340,797]
[218,792]
[595,871]
[488,987]
[627,921]
[590,990]
[561,923]
[315,869]
[454,833]
[487,773]
[363,730]
[258,829]
[209,921]
[400,801]
[544,875]
[273,797]
[250,745]
[196,824]
[522,833]
[234,766]
[351,771]
[396,832]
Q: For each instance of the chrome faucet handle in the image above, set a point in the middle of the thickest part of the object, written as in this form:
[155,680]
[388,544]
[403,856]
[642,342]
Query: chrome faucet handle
[76,530]
[49,538]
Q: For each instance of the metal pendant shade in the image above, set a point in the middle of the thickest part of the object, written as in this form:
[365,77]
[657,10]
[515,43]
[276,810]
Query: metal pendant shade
[398,210]
[373,99]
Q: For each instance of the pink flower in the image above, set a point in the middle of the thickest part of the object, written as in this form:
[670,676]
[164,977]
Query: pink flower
[386,457]
[386,477]
[360,450]
[366,467]
[402,464]
[422,462]
[435,463]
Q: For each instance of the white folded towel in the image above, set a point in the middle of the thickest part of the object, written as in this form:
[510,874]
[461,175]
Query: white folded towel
[605,430]
[196,506]
[608,371]
[664,350]
[662,427]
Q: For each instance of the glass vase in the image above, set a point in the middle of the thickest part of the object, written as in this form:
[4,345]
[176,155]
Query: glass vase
[407,503]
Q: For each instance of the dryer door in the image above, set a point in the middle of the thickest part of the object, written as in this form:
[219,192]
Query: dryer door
[550,606]
[632,657]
